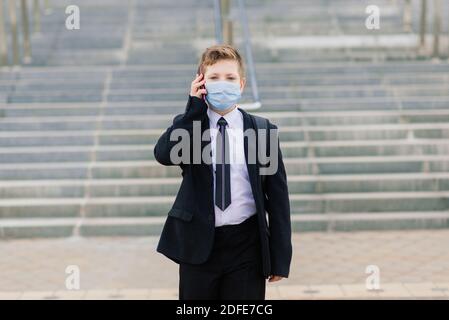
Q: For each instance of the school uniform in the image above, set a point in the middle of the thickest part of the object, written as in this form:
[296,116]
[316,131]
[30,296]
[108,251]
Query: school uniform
[217,229]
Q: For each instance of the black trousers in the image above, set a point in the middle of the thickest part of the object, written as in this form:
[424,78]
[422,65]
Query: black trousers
[233,270]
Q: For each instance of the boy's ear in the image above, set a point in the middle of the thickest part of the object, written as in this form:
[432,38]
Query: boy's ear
[242,83]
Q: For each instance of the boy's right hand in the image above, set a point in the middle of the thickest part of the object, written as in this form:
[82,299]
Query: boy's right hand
[196,89]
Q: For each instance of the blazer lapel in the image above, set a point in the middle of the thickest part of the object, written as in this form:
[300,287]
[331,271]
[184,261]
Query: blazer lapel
[209,169]
[252,167]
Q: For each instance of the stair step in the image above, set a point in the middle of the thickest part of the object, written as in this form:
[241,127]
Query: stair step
[290,149]
[152,226]
[300,184]
[394,69]
[159,205]
[152,169]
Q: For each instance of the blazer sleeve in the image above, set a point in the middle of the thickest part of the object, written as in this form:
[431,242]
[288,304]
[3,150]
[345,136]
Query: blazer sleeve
[278,207]
[196,109]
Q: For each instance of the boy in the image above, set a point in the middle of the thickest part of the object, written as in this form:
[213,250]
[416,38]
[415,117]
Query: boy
[217,229]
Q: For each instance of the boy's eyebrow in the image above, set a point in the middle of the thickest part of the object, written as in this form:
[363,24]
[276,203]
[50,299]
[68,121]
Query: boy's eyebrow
[228,74]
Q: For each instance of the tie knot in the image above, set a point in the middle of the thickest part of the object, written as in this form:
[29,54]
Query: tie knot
[222,122]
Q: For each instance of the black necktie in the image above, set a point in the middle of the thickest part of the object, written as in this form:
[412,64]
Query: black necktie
[222,168]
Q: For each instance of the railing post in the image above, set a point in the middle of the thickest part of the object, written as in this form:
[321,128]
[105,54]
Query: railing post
[15,41]
[218,21]
[3,41]
[423,25]
[36,16]
[226,22]
[436,27]
[47,6]
[26,32]
[407,16]
[249,53]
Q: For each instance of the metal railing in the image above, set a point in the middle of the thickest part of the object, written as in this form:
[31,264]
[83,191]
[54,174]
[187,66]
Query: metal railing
[436,24]
[436,27]
[224,34]
[11,48]
[218,21]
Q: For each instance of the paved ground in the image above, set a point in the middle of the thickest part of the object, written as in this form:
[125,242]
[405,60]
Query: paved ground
[325,265]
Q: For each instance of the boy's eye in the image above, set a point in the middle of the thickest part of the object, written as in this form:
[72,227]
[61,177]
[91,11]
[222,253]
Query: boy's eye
[228,78]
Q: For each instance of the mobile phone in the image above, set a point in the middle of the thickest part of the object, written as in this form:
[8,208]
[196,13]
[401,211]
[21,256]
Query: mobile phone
[202,87]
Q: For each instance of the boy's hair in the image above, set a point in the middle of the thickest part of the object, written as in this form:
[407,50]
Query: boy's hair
[221,52]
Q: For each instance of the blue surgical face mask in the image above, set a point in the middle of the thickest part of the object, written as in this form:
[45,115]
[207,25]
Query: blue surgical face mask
[222,94]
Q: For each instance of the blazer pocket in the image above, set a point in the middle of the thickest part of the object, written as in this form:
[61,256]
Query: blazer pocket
[180,214]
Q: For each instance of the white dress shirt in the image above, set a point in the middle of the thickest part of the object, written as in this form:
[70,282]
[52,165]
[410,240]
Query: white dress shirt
[242,201]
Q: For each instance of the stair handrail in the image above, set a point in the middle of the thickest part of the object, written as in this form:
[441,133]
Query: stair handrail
[14,14]
[436,25]
[219,17]
[249,57]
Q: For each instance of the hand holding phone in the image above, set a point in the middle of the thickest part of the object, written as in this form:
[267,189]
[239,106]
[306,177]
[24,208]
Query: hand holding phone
[197,88]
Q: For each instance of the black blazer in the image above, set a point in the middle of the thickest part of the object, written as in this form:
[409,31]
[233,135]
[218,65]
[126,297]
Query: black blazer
[188,233]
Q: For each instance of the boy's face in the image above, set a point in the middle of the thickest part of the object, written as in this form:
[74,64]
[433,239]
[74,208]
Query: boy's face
[224,70]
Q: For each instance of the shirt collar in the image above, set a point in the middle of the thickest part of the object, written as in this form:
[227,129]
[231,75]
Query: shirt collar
[230,117]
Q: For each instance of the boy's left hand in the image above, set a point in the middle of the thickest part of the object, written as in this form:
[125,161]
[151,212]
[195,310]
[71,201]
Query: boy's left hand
[273,278]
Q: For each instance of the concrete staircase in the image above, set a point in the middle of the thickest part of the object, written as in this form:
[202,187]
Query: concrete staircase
[364,131]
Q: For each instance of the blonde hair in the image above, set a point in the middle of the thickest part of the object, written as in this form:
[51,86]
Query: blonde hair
[221,52]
